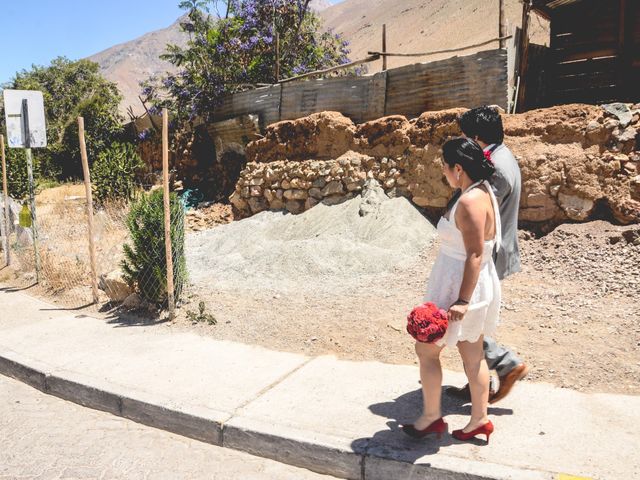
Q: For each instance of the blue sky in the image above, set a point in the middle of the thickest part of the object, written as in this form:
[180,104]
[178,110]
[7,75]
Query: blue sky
[36,31]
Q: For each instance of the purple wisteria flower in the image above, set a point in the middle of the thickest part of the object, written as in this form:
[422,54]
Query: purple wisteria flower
[144,135]
[225,55]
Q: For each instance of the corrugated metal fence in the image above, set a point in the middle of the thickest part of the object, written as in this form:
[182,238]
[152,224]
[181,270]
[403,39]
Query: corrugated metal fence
[466,81]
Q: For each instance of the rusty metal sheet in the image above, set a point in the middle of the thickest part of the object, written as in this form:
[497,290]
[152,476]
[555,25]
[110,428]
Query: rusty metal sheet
[360,98]
[265,102]
[466,81]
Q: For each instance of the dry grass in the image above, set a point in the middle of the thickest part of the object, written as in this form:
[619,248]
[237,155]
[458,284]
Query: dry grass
[63,245]
[59,194]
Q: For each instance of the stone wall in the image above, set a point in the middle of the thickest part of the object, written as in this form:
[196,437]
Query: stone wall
[578,162]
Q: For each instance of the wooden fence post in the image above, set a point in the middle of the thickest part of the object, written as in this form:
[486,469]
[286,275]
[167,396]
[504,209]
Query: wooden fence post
[384,46]
[523,68]
[502,27]
[5,213]
[277,57]
[87,189]
[167,212]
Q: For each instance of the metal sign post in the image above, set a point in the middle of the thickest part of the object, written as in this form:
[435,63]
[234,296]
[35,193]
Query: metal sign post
[32,196]
[7,250]
[24,110]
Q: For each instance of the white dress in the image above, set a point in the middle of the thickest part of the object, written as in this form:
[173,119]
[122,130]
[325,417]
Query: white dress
[444,282]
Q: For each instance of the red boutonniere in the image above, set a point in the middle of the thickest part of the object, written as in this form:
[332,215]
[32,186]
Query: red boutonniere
[487,155]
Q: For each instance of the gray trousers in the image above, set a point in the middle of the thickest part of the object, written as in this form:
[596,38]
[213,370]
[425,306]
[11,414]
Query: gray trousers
[499,358]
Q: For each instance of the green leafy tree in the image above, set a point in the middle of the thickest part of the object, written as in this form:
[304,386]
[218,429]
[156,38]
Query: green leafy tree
[235,51]
[114,173]
[72,89]
[145,265]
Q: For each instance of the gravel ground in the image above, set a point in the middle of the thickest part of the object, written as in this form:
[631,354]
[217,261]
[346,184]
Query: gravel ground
[572,314]
[327,248]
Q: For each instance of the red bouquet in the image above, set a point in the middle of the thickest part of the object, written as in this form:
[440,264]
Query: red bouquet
[427,323]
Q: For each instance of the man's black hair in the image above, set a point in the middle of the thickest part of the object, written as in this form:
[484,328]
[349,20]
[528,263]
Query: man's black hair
[483,123]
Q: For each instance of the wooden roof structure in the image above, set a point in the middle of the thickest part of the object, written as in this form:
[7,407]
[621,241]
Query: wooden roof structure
[594,52]
[546,7]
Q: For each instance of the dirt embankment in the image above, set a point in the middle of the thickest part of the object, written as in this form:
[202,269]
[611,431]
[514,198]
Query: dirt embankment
[578,162]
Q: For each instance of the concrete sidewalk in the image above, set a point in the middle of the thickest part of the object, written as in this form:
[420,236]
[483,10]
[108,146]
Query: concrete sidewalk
[331,416]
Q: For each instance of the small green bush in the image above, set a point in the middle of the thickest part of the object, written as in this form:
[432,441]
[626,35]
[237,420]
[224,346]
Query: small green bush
[201,315]
[113,175]
[17,176]
[145,265]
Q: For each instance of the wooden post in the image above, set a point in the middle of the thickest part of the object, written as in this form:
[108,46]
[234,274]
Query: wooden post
[502,27]
[384,46]
[167,212]
[87,189]
[625,47]
[277,57]
[524,56]
[5,214]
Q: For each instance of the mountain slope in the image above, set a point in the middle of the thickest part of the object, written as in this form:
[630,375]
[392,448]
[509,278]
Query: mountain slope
[412,26]
[131,62]
[421,26]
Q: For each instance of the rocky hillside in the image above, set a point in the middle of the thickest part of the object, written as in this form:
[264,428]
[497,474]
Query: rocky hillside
[129,63]
[423,25]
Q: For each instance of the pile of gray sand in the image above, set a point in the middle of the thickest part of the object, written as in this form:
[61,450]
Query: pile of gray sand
[331,248]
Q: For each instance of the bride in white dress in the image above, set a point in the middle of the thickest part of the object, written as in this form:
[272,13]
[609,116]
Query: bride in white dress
[464,281]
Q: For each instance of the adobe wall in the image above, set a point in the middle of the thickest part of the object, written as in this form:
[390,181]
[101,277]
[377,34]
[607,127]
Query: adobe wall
[578,162]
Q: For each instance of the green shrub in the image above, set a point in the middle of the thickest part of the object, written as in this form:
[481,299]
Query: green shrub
[201,315]
[113,175]
[17,176]
[145,266]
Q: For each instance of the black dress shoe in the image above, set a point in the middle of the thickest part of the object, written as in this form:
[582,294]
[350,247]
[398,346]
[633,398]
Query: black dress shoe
[460,393]
[464,393]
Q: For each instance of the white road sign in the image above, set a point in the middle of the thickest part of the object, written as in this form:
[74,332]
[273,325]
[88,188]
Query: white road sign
[21,105]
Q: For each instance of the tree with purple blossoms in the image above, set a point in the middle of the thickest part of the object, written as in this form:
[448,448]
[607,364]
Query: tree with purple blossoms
[236,50]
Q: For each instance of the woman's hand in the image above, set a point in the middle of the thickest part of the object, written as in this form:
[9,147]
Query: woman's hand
[457,311]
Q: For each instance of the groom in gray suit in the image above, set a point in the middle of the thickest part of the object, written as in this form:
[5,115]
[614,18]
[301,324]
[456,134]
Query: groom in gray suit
[484,125]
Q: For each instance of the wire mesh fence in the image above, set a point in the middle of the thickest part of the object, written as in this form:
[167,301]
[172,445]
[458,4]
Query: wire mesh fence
[129,242]
[126,246]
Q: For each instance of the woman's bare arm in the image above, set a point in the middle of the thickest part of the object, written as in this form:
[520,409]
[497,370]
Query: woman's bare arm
[471,217]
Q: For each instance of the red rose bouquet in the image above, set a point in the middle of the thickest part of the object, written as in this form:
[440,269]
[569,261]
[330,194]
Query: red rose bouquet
[427,323]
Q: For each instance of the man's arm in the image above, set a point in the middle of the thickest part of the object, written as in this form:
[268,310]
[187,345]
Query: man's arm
[500,185]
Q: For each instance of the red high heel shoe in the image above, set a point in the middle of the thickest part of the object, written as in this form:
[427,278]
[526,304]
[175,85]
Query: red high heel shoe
[486,430]
[438,427]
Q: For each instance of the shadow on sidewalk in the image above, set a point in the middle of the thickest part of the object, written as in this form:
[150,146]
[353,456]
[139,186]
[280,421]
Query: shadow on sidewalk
[119,317]
[394,444]
[15,289]
[122,319]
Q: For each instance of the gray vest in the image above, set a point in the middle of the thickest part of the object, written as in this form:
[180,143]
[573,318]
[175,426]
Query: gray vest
[506,184]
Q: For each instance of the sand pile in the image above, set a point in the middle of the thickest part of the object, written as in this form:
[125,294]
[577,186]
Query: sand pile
[332,248]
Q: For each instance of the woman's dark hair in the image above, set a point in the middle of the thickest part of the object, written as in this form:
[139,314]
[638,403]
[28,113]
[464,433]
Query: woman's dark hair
[482,122]
[469,155]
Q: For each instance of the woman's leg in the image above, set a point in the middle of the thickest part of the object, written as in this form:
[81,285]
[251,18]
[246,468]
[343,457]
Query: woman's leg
[431,378]
[475,367]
